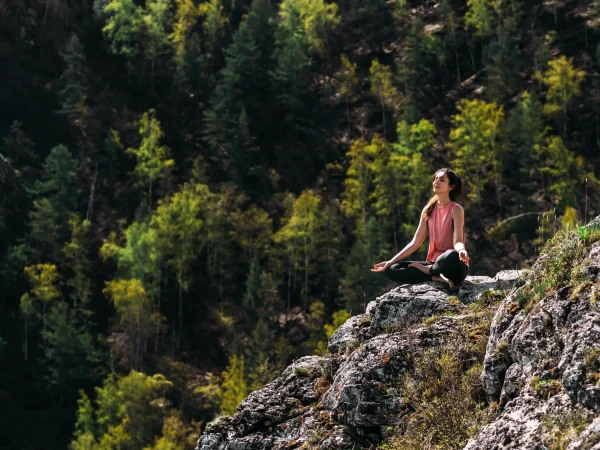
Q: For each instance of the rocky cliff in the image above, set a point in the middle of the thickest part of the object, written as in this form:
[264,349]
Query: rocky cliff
[540,372]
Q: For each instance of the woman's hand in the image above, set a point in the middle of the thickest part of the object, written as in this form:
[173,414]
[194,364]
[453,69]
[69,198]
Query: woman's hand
[380,267]
[464,256]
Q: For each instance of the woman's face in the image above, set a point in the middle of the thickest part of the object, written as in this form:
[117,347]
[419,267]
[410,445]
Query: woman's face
[441,183]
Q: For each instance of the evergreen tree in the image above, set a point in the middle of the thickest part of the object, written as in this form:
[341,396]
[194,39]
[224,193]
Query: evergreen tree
[238,105]
[451,21]
[420,53]
[74,80]
[525,132]
[56,196]
[359,285]
[70,358]
[214,27]
[290,80]
[506,62]
[18,148]
[370,22]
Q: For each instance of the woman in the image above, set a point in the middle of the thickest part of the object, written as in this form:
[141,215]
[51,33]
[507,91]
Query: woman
[444,219]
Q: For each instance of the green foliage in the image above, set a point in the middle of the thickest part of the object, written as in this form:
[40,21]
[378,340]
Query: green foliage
[128,411]
[157,20]
[138,258]
[70,358]
[74,79]
[339,318]
[526,135]
[77,259]
[444,394]
[136,318]
[358,285]
[505,61]
[316,16]
[357,184]
[474,143]
[214,24]
[421,55]
[187,13]
[302,235]
[123,22]
[228,390]
[561,429]
[56,196]
[481,15]
[564,82]
[153,158]
[316,323]
[382,87]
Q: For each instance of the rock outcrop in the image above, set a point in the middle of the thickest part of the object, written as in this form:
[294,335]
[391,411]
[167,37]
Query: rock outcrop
[542,364]
[541,370]
[351,397]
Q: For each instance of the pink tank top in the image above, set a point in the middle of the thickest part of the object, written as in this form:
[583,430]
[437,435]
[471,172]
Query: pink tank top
[441,235]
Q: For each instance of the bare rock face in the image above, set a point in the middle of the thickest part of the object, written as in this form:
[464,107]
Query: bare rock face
[348,398]
[542,363]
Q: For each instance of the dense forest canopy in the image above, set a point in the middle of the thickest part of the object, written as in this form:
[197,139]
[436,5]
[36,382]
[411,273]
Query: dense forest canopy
[193,192]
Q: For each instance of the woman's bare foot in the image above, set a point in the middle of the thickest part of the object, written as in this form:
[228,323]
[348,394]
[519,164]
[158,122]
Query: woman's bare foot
[443,279]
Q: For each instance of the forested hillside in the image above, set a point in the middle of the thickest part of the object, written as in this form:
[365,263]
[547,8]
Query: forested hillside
[193,192]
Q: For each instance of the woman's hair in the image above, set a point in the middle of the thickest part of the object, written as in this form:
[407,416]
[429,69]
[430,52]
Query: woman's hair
[453,180]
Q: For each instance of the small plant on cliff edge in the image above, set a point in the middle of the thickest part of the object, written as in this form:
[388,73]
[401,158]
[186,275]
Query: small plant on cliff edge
[445,393]
[560,429]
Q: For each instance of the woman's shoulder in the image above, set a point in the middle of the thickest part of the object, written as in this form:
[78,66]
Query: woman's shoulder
[457,208]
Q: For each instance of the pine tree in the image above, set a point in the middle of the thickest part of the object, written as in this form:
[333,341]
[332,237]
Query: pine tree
[420,53]
[526,136]
[74,79]
[506,61]
[56,196]
[70,358]
[359,285]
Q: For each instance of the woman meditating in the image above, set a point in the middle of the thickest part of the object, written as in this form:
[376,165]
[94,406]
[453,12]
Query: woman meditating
[444,219]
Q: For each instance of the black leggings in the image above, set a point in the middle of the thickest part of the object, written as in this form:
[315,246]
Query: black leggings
[447,264]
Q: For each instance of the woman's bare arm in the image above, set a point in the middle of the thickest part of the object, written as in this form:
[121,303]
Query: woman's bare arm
[410,248]
[458,215]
